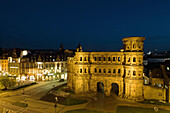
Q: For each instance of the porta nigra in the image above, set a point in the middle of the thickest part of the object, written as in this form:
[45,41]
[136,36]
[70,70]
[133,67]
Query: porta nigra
[109,72]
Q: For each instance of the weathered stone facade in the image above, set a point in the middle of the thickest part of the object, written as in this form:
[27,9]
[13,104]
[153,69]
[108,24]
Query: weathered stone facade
[125,68]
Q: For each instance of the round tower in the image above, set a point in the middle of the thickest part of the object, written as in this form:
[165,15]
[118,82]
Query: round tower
[133,54]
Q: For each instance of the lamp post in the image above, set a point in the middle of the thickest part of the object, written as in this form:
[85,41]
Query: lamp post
[55,105]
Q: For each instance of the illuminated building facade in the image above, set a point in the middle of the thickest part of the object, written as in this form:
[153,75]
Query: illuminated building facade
[35,65]
[107,72]
[3,66]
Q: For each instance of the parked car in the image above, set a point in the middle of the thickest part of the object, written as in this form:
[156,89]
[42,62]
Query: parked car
[61,80]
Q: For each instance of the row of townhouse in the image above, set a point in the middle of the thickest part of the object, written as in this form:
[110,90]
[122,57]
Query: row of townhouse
[35,65]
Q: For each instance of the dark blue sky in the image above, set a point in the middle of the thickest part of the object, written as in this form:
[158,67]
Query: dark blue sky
[97,25]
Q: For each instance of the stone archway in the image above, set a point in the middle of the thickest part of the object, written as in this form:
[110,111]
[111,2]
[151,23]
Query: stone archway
[100,87]
[114,89]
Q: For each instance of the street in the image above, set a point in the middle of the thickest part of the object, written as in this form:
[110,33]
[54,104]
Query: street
[32,95]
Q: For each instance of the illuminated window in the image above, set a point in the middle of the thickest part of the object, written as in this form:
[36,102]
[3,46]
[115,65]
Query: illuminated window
[80,70]
[80,58]
[104,71]
[114,70]
[100,71]
[119,71]
[114,58]
[95,70]
[99,58]
[134,59]
[168,68]
[109,71]
[109,59]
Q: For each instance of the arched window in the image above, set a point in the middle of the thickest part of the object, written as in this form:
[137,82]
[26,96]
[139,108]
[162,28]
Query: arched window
[119,71]
[100,71]
[134,73]
[95,70]
[80,58]
[134,59]
[118,58]
[109,59]
[114,58]
[114,70]
[104,58]
[85,59]
[109,71]
[104,71]
[85,71]
[80,70]
[129,72]
[129,59]
[95,59]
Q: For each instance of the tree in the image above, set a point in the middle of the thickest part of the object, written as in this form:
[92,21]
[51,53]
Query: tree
[7,82]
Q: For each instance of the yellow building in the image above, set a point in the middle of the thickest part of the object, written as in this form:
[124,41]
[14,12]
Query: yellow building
[107,72]
[14,66]
[4,66]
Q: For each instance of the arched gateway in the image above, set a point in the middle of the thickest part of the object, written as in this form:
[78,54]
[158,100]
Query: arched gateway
[120,72]
[114,89]
[100,87]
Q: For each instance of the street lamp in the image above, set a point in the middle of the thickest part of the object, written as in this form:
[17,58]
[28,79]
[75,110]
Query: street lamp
[55,105]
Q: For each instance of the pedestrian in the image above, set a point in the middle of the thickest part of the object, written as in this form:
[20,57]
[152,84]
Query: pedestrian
[23,91]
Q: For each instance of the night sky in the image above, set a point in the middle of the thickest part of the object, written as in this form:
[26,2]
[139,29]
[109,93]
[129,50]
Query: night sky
[97,25]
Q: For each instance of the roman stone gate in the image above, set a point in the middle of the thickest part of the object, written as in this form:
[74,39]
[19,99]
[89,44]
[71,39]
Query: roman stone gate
[110,73]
